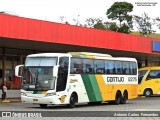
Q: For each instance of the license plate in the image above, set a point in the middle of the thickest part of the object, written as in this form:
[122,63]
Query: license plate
[35,99]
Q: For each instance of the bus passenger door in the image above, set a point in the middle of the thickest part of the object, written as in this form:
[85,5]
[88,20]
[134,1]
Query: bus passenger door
[62,78]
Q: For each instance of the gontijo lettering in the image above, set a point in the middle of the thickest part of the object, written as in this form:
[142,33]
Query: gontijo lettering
[115,79]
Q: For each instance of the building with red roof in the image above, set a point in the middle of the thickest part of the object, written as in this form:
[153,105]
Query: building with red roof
[22,36]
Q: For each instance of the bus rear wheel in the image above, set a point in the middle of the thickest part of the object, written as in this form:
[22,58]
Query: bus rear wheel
[43,105]
[124,98]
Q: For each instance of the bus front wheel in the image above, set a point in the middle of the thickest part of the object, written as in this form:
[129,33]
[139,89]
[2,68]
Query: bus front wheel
[73,100]
[43,105]
[117,98]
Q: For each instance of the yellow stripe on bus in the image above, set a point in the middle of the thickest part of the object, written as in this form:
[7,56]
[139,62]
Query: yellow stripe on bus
[102,87]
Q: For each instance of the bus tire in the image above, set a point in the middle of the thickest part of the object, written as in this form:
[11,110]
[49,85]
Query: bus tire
[73,100]
[148,92]
[124,98]
[118,98]
[43,105]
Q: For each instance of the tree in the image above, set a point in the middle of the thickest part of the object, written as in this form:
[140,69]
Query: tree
[119,11]
[111,26]
[100,25]
[91,22]
[157,22]
[95,23]
[144,24]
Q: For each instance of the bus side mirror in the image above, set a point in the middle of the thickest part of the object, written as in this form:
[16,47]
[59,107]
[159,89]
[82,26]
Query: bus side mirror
[55,71]
[18,70]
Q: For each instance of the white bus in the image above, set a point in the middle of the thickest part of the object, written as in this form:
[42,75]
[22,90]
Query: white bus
[77,77]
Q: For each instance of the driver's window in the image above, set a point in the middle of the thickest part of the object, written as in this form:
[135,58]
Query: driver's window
[153,74]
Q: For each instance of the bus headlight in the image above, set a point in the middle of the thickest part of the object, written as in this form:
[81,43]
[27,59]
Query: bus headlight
[50,94]
[23,93]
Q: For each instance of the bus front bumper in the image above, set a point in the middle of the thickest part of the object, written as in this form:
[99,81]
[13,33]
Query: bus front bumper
[38,100]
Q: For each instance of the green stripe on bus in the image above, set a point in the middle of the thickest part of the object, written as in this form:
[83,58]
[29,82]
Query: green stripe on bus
[89,88]
[95,87]
[92,88]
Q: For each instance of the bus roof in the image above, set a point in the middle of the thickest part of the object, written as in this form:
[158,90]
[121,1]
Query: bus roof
[82,55]
[50,55]
[99,56]
[89,55]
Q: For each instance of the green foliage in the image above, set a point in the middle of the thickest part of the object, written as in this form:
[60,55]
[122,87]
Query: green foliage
[123,29]
[99,26]
[91,22]
[157,21]
[143,24]
[119,11]
[111,26]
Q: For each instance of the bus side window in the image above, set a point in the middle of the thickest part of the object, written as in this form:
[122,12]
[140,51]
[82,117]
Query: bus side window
[87,65]
[118,66]
[109,67]
[78,69]
[133,68]
[76,66]
[99,66]
[126,67]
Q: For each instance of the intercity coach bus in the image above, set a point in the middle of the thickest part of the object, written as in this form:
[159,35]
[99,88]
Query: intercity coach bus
[77,77]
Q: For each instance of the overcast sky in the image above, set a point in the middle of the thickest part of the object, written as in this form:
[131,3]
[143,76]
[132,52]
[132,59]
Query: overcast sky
[51,10]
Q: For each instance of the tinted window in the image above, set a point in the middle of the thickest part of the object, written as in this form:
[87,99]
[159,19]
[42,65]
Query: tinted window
[153,74]
[118,67]
[126,69]
[87,65]
[76,66]
[99,66]
[109,67]
[133,68]
[62,73]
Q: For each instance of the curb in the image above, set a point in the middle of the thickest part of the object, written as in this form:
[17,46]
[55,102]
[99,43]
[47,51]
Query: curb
[10,101]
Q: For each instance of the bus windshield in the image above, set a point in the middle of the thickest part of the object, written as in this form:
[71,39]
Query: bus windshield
[38,73]
[38,78]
